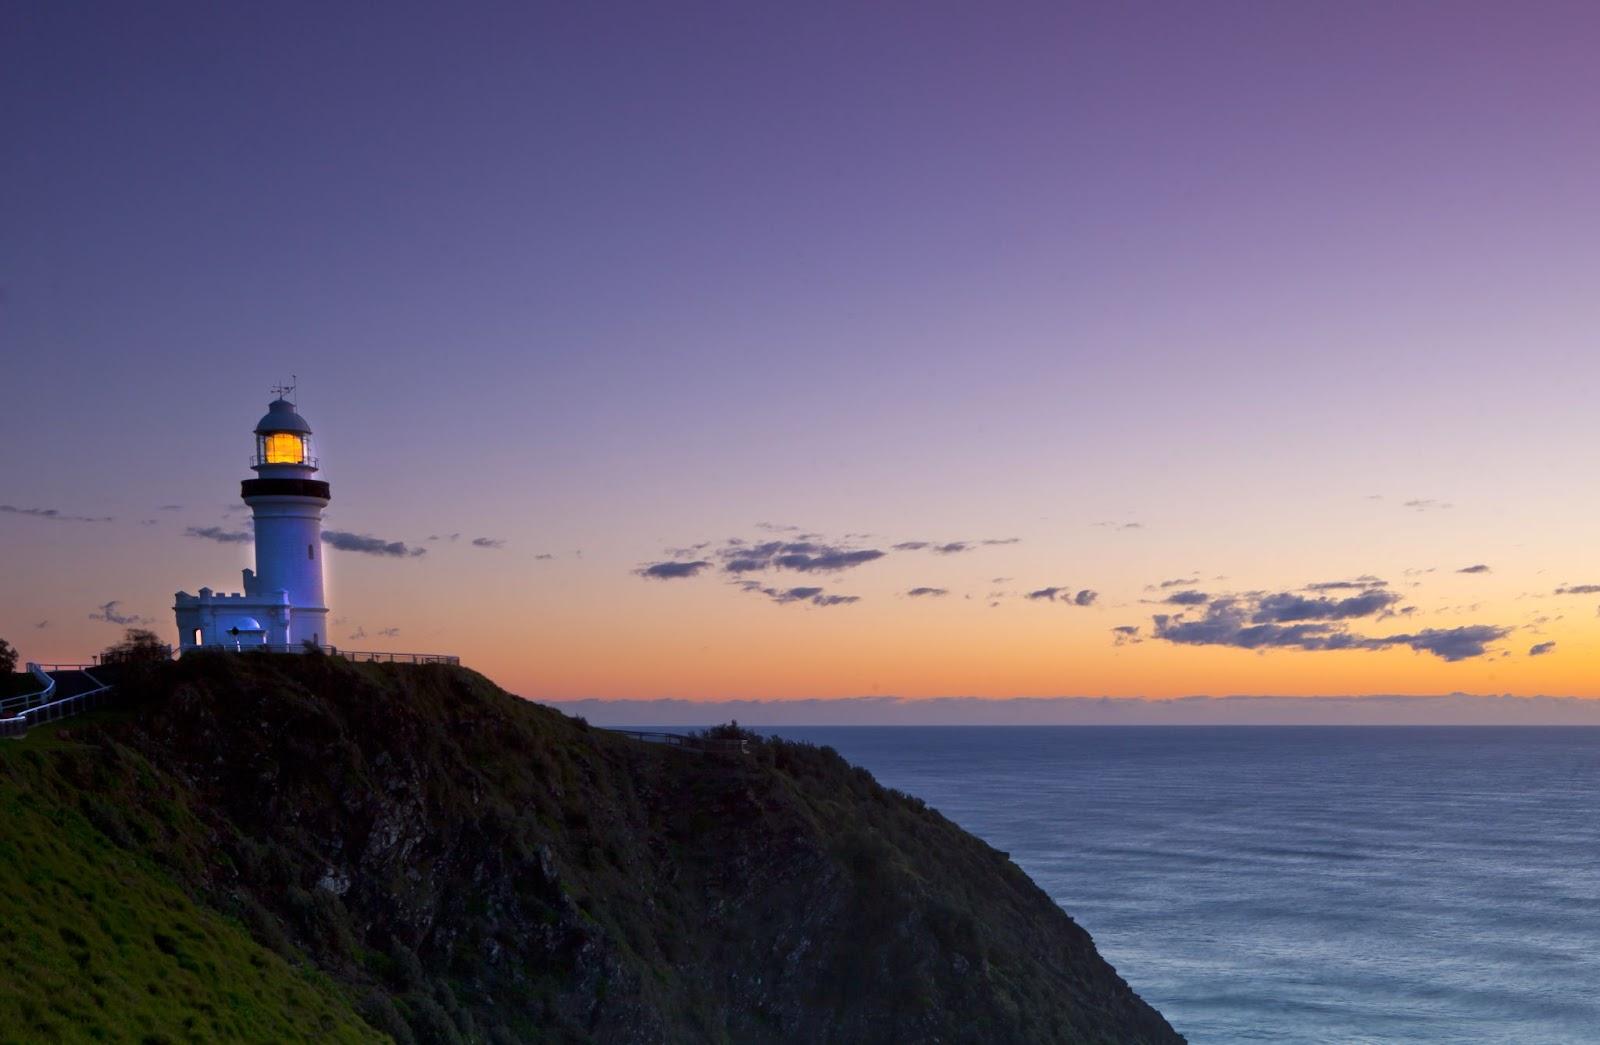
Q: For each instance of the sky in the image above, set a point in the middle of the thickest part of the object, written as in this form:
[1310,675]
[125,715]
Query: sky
[970,350]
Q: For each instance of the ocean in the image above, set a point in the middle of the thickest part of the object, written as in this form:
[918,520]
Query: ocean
[1298,884]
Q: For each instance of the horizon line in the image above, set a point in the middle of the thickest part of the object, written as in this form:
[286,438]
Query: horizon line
[1448,709]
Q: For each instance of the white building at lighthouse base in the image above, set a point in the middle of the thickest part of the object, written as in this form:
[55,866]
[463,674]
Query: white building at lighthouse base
[234,621]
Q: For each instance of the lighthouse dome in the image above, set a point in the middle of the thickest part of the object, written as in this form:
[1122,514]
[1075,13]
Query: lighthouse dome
[244,626]
[282,418]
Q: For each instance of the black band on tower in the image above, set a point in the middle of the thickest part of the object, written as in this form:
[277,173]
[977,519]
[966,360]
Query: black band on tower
[284,488]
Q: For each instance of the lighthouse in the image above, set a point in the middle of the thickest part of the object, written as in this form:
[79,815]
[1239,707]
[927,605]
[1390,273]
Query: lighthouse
[282,605]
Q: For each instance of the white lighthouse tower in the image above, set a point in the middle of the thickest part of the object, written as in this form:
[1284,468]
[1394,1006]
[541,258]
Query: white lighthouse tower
[282,604]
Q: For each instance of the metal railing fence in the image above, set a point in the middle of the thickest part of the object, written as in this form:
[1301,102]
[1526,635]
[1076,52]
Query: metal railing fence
[359,656]
[48,710]
[10,706]
[687,741]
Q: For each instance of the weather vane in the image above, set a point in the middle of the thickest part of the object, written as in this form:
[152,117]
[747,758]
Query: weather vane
[285,391]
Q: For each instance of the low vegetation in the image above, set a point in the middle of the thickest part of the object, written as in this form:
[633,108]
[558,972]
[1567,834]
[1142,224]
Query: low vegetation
[99,943]
[463,866]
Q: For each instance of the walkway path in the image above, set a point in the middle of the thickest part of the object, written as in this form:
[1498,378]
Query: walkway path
[64,689]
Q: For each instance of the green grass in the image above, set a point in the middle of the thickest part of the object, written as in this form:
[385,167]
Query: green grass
[97,944]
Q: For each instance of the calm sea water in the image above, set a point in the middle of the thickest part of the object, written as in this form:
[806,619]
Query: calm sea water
[1298,884]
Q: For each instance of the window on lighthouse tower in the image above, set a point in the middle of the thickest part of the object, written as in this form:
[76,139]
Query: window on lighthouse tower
[283,448]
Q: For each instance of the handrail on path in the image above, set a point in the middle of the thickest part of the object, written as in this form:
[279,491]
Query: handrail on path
[43,709]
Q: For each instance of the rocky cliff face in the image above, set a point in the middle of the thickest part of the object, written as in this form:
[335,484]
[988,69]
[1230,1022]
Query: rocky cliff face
[471,867]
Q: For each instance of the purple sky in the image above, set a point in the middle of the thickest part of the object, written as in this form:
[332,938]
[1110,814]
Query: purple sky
[619,280]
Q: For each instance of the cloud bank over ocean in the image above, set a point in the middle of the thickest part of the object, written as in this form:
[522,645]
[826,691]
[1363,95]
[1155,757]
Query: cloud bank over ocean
[1455,709]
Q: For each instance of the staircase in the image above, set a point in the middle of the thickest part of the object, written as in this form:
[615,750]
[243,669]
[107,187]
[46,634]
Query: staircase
[64,689]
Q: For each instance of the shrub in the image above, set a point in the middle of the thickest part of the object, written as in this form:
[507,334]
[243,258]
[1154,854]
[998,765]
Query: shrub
[138,646]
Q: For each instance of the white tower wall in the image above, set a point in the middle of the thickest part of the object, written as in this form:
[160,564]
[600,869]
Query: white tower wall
[289,559]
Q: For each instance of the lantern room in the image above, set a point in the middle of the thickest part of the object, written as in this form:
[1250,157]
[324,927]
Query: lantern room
[283,439]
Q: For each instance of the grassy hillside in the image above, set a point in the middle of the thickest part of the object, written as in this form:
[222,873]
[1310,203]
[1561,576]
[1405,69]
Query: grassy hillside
[470,867]
[98,943]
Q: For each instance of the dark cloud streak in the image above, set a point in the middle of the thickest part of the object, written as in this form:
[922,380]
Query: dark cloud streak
[218,534]
[668,571]
[53,514]
[366,544]
[1285,620]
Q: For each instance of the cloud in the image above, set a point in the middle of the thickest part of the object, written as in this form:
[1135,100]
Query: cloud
[1284,620]
[1452,643]
[815,596]
[826,560]
[1284,607]
[366,544]
[1126,635]
[170,508]
[358,634]
[218,534]
[1361,583]
[1179,582]
[109,614]
[953,547]
[1579,589]
[1121,525]
[1084,597]
[801,553]
[1479,568]
[488,542]
[444,536]
[1426,504]
[389,633]
[917,593]
[542,556]
[668,571]
[800,556]
[53,514]
[1541,649]
[42,624]
[1188,597]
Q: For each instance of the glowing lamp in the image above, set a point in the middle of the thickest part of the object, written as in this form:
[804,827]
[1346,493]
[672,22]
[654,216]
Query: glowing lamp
[283,439]
[282,448]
